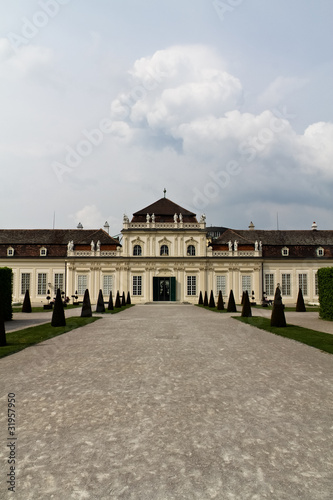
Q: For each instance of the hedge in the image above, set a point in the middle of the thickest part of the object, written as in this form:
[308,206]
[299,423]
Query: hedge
[325,287]
[6,276]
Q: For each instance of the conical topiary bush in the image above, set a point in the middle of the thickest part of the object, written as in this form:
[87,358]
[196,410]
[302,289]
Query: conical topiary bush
[3,340]
[300,306]
[100,308]
[58,315]
[211,299]
[220,303]
[205,303]
[243,297]
[231,303]
[128,300]
[278,317]
[86,311]
[117,304]
[200,299]
[123,300]
[246,309]
[110,304]
[26,308]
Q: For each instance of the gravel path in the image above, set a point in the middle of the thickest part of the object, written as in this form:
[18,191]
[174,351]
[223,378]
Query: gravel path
[169,403]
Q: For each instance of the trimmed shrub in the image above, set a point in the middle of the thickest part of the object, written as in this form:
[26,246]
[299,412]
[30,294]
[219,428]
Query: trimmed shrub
[246,309]
[300,306]
[6,276]
[100,308]
[325,286]
[231,303]
[3,340]
[205,303]
[110,304]
[278,317]
[128,300]
[220,303]
[200,299]
[117,304]
[58,315]
[211,299]
[26,308]
[123,300]
[243,297]
[86,311]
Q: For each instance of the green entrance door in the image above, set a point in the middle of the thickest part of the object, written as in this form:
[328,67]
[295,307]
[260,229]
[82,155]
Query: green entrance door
[164,289]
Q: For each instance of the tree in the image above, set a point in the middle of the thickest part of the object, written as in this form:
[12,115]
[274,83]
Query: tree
[100,308]
[206,300]
[128,301]
[117,304]
[246,309]
[200,299]
[3,340]
[26,308]
[278,317]
[300,306]
[86,306]
[231,303]
[220,303]
[110,304]
[6,278]
[211,299]
[58,315]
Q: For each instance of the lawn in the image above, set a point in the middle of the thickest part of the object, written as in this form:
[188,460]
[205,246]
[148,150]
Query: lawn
[16,341]
[213,308]
[319,340]
[18,309]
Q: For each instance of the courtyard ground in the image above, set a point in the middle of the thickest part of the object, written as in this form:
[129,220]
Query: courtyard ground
[169,402]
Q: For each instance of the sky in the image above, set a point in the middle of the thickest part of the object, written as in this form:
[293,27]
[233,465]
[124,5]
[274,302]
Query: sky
[225,104]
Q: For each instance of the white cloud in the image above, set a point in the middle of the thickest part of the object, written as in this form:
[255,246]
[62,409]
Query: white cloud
[24,59]
[89,216]
[277,91]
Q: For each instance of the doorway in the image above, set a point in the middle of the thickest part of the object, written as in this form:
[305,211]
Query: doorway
[164,289]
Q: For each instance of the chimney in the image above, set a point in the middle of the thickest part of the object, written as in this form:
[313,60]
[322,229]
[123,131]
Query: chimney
[251,226]
[314,226]
[107,227]
[79,226]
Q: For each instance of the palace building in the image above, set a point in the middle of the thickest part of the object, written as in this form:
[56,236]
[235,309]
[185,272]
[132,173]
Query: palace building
[166,254]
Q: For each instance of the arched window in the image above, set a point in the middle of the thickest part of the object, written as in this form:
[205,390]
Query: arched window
[164,250]
[137,250]
[191,250]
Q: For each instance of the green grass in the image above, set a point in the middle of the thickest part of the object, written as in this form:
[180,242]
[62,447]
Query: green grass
[16,341]
[288,309]
[319,340]
[214,309]
[18,309]
[114,311]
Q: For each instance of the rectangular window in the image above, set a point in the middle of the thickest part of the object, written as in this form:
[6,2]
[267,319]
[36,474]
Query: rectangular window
[221,285]
[191,285]
[137,285]
[246,284]
[81,284]
[316,284]
[269,284]
[107,285]
[59,282]
[286,284]
[41,284]
[303,283]
[25,283]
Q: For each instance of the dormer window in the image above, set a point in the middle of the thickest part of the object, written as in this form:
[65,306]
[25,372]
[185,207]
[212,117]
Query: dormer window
[10,252]
[43,252]
[285,251]
[320,252]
